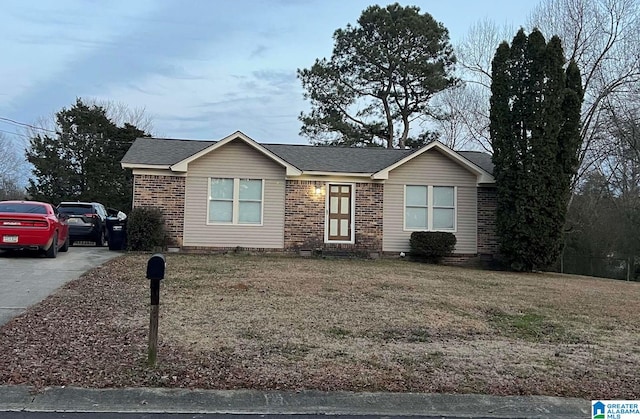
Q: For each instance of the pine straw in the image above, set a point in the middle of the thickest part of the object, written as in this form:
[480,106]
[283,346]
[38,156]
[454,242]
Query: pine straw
[263,322]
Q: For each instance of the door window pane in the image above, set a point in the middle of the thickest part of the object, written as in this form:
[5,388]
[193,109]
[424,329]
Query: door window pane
[333,207]
[333,227]
[344,228]
[344,205]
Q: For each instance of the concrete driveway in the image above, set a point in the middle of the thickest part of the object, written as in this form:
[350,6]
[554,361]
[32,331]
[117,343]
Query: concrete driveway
[27,277]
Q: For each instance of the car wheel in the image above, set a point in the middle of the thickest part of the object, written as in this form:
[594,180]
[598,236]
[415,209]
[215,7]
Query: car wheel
[65,246]
[100,241]
[52,252]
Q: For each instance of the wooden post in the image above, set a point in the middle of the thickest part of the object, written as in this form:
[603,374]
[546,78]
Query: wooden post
[153,322]
[153,336]
[155,272]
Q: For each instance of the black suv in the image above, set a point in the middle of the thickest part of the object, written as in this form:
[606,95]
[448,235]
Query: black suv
[87,221]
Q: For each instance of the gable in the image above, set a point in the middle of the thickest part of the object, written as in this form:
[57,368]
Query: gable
[435,168]
[182,165]
[236,159]
[481,175]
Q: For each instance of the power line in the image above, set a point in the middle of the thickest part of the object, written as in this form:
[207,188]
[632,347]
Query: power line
[25,125]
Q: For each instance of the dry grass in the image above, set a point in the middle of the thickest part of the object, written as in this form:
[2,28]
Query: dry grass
[291,323]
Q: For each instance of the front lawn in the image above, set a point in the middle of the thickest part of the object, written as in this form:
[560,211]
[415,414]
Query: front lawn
[229,321]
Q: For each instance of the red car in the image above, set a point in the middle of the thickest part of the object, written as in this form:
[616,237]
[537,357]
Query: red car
[32,225]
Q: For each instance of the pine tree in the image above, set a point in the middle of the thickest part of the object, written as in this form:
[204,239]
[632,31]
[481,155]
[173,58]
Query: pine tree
[379,81]
[535,134]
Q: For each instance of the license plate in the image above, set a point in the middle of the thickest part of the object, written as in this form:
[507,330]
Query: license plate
[73,221]
[10,239]
[117,228]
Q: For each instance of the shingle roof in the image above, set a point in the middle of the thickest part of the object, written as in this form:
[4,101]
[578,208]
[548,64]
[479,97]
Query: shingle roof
[166,152]
[480,159]
[163,151]
[337,159]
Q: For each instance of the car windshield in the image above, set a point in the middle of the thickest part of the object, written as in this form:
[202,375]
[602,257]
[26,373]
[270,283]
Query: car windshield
[76,209]
[22,207]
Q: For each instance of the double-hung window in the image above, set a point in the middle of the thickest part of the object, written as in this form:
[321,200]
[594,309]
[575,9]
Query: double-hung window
[429,208]
[444,208]
[416,213]
[235,201]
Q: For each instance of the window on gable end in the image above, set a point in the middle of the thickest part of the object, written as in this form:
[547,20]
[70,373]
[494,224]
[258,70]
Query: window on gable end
[429,208]
[235,201]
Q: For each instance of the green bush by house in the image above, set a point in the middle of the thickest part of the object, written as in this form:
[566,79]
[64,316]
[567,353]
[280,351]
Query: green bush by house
[432,246]
[145,229]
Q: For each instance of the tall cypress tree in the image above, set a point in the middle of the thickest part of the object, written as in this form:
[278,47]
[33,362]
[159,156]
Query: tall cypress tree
[535,133]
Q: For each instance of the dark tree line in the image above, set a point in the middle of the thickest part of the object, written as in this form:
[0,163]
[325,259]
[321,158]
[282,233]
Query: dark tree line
[81,162]
[604,216]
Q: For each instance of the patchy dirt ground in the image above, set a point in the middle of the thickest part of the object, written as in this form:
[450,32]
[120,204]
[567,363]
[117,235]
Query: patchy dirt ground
[262,322]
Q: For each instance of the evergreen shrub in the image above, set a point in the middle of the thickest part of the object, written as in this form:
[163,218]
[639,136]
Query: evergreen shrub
[145,229]
[432,246]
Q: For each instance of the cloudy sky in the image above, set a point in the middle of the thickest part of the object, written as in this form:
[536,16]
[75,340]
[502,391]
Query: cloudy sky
[201,69]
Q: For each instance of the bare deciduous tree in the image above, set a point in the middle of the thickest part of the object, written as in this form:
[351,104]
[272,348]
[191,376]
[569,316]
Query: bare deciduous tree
[12,165]
[467,106]
[120,113]
[600,35]
[462,130]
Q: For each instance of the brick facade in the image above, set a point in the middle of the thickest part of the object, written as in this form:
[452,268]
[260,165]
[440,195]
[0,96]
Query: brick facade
[304,225]
[369,199]
[305,217]
[167,194]
[487,239]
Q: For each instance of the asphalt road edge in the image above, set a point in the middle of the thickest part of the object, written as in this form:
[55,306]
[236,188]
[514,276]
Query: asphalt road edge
[162,400]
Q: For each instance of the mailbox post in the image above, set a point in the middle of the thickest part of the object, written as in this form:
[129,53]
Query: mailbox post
[155,273]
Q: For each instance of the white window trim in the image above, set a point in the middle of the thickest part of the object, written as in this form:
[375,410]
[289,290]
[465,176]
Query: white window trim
[352,221]
[430,208]
[236,203]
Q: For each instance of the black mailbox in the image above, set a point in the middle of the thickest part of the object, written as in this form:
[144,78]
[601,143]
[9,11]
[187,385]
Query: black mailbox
[155,267]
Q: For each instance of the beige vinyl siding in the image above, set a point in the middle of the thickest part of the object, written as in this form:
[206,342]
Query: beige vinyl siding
[234,160]
[435,169]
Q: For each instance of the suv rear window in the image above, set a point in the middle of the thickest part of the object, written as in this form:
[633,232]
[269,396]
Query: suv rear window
[76,209]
